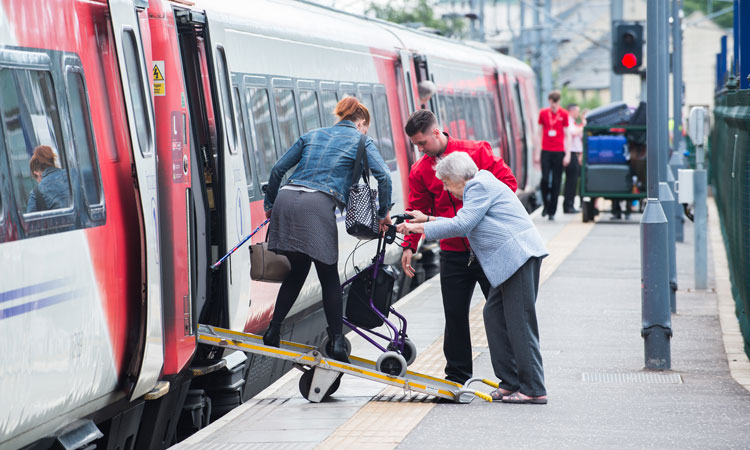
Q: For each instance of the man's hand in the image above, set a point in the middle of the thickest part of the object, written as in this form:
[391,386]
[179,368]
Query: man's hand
[566,159]
[406,262]
[385,222]
[537,157]
[417,216]
[268,214]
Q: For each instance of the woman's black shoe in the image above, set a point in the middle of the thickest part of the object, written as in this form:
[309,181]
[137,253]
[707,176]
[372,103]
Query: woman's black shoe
[338,348]
[272,336]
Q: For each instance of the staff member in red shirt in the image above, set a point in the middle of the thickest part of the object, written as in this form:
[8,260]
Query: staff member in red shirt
[459,270]
[554,122]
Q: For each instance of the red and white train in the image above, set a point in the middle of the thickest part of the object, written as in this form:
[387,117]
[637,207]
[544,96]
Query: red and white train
[166,117]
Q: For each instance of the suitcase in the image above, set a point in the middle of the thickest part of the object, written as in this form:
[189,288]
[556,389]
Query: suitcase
[607,150]
[613,114]
[609,179]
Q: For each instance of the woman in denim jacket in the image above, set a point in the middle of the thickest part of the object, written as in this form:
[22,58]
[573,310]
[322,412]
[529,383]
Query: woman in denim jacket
[302,212]
[53,191]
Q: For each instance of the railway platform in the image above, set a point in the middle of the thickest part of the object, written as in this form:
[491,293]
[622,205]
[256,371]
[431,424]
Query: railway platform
[589,310]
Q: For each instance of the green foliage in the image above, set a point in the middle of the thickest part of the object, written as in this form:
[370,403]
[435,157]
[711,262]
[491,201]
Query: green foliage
[418,13]
[724,20]
[589,102]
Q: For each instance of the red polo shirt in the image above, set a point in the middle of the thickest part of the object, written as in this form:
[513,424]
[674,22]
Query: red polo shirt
[553,129]
[426,192]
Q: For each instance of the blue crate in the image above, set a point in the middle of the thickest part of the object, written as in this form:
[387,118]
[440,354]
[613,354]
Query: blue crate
[607,150]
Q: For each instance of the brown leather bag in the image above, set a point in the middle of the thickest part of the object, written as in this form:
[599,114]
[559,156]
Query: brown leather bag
[266,265]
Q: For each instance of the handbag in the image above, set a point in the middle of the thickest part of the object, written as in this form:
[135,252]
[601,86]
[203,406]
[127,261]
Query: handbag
[266,265]
[361,207]
[358,310]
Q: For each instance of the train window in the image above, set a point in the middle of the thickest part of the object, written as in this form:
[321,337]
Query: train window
[226,97]
[460,116]
[286,115]
[384,128]
[245,148]
[518,116]
[442,110]
[328,99]
[137,96]
[83,137]
[452,123]
[366,99]
[494,134]
[32,130]
[264,148]
[472,121]
[308,104]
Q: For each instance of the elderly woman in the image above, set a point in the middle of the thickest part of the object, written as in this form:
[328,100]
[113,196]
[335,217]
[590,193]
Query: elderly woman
[510,251]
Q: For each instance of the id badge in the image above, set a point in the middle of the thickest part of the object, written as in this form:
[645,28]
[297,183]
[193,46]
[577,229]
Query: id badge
[552,133]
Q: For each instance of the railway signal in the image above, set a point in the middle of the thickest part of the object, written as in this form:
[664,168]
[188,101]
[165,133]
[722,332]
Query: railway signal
[627,48]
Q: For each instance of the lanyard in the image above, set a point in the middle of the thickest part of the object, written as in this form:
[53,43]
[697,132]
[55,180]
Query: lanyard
[558,117]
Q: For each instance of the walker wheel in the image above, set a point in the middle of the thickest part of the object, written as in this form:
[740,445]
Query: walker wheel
[409,353]
[305,382]
[391,363]
[325,346]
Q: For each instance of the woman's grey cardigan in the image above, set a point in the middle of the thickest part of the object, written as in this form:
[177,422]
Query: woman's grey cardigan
[497,225]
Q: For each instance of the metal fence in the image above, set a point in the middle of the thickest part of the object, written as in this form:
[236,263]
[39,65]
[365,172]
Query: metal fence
[729,175]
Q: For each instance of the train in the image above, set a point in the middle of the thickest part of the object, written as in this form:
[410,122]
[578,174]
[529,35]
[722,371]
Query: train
[165,118]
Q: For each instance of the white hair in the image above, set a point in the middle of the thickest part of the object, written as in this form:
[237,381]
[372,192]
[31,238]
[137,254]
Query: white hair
[457,166]
[426,89]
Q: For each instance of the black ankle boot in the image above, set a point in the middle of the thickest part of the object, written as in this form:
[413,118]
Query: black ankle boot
[272,336]
[338,348]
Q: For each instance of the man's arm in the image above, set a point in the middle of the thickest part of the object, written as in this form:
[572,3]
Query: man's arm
[486,160]
[420,199]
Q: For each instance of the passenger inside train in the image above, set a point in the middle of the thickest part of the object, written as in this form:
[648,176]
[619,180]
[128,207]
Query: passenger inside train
[52,190]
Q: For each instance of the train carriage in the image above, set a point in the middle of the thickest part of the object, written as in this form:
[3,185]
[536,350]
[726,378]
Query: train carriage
[165,118]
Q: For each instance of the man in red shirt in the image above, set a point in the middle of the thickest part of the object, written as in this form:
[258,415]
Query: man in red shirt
[459,270]
[554,122]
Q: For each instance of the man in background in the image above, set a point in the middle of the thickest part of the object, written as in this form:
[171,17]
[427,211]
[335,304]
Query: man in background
[554,156]
[573,169]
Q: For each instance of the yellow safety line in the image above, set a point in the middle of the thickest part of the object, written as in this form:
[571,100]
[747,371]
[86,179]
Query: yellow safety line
[384,425]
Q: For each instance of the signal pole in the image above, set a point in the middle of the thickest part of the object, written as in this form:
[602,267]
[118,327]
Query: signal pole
[676,161]
[615,80]
[655,311]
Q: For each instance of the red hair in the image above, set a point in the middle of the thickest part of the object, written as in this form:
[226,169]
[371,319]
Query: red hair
[349,108]
[43,157]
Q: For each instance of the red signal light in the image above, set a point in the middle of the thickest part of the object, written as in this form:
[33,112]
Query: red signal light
[629,60]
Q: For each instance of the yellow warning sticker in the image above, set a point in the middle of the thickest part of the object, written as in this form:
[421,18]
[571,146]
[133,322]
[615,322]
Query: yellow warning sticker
[158,70]
[159,81]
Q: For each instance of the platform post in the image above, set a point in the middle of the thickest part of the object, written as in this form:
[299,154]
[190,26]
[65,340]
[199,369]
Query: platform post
[655,305]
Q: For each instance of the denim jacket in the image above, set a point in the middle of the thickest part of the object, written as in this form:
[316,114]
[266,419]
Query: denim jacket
[325,162]
[53,189]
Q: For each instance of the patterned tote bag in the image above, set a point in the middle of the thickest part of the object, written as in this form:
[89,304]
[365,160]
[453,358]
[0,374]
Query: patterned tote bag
[361,207]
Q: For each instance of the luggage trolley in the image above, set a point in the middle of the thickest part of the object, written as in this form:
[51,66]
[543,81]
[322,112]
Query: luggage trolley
[614,165]
[368,307]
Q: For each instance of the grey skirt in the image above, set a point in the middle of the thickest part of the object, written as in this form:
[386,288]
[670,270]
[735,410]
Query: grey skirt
[305,222]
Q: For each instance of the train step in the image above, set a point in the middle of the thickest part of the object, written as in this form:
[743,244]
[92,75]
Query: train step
[322,376]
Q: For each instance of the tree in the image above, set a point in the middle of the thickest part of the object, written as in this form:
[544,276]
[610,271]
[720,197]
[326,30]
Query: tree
[725,20]
[416,14]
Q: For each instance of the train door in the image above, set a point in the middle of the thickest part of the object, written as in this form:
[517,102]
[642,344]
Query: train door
[422,72]
[505,120]
[222,208]
[408,100]
[136,91]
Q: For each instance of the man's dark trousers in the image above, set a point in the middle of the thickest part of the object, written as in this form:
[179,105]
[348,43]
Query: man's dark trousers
[552,164]
[572,172]
[457,282]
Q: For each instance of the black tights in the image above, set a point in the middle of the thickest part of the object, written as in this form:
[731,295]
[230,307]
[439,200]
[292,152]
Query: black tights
[328,274]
